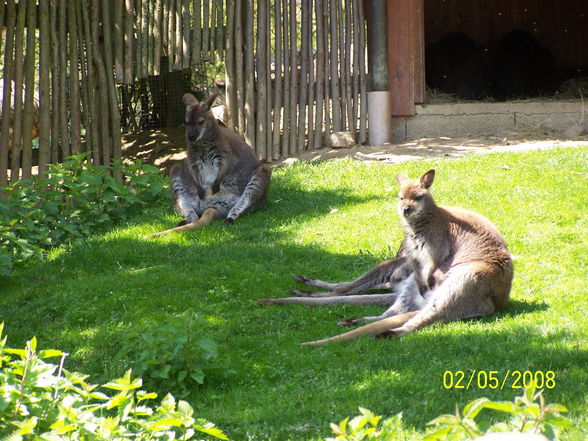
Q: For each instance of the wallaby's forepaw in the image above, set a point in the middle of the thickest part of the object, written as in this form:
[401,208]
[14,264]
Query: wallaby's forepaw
[230,220]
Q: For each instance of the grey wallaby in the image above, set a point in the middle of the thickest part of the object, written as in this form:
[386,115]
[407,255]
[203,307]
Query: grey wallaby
[452,264]
[221,176]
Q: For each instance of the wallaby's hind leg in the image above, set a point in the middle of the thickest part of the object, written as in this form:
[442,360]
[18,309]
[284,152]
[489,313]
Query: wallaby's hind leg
[254,194]
[408,299]
[465,293]
[386,275]
[209,215]
[187,201]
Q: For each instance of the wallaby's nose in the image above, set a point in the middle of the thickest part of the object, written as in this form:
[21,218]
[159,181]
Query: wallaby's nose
[192,137]
[406,210]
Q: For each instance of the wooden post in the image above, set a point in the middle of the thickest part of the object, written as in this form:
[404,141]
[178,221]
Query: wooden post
[239,76]
[197,31]
[44,88]
[74,81]
[231,74]
[118,6]
[303,81]
[261,123]
[277,104]
[250,120]
[29,81]
[7,92]
[320,73]
[128,41]
[186,34]
[294,122]
[18,92]
[285,143]
[113,106]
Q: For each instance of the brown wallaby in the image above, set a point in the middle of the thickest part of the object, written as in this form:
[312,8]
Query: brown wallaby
[453,264]
[220,178]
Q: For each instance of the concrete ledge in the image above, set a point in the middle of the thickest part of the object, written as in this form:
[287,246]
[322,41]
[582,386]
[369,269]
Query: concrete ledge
[475,119]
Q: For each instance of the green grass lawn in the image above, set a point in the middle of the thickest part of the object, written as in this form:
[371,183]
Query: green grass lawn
[333,220]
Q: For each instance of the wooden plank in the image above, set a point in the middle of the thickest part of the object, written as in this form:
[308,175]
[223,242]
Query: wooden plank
[401,56]
[419,51]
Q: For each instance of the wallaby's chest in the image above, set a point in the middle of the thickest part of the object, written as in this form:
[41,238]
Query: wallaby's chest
[207,164]
[425,257]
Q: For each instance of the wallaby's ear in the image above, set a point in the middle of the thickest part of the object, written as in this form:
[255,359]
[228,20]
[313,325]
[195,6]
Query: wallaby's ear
[207,104]
[189,99]
[427,179]
[401,177]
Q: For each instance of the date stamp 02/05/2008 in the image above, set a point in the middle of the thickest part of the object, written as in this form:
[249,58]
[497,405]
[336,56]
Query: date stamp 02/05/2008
[486,379]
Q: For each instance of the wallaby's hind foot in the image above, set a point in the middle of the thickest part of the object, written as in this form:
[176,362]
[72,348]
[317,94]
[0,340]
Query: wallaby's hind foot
[209,215]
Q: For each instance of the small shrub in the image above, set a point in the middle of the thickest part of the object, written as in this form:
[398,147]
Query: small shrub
[40,400]
[528,413]
[74,200]
[174,356]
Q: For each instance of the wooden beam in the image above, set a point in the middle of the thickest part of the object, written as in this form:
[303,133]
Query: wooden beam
[406,63]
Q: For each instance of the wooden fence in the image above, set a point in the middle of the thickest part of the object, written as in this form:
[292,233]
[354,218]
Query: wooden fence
[296,69]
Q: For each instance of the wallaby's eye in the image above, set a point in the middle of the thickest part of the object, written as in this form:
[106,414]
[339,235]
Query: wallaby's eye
[419,197]
[401,197]
[200,120]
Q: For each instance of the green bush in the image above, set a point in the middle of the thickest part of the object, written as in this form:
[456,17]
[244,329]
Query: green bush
[74,200]
[174,356]
[528,413]
[40,400]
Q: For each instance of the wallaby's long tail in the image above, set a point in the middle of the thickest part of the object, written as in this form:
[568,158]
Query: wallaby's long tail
[366,299]
[374,328]
[209,215]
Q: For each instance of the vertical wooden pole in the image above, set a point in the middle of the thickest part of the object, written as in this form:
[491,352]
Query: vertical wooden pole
[303,80]
[286,124]
[92,108]
[277,104]
[55,82]
[157,36]
[186,41]
[355,70]
[128,41]
[239,76]
[348,68]
[118,6]
[113,105]
[363,79]
[294,122]
[320,73]
[197,31]
[261,126]
[74,81]
[18,91]
[7,92]
[87,113]
[230,75]
[29,81]
[44,88]
[334,64]
[250,120]
[311,79]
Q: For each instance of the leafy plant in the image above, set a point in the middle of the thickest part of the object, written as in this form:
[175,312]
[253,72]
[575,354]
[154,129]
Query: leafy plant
[40,400]
[174,355]
[73,201]
[528,413]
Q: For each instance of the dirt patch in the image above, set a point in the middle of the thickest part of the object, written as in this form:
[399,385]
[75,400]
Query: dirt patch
[164,148]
